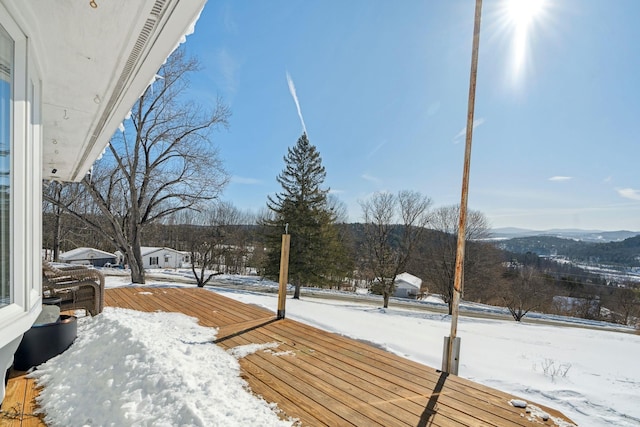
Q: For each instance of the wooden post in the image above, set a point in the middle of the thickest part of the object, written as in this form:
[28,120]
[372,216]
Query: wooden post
[452,343]
[284,273]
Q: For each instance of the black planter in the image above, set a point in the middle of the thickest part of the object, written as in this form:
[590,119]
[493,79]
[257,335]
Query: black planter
[42,342]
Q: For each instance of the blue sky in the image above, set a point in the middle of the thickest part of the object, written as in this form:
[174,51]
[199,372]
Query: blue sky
[383,87]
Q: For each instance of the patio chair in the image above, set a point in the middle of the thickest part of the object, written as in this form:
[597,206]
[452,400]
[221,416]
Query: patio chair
[78,287]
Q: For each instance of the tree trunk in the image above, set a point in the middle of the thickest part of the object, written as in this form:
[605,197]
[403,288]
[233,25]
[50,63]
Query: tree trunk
[57,227]
[296,292]
[136,263]
[56,234]
[385,299]
[199,278]
[137,274]
[135,259]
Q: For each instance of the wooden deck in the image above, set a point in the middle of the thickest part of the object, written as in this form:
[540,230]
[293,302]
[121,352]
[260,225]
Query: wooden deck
[326,379]
[19,406]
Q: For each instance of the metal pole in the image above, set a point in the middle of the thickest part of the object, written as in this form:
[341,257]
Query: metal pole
[451,351]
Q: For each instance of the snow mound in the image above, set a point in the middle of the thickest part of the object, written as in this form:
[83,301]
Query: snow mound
[147,369]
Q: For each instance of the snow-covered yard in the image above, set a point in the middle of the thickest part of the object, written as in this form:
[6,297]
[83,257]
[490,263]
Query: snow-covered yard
[133,368]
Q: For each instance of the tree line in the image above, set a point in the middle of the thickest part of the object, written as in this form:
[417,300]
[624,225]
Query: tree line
[624,253]
[160,182]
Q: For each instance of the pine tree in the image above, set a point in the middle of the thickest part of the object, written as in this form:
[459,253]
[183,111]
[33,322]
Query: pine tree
[302,205]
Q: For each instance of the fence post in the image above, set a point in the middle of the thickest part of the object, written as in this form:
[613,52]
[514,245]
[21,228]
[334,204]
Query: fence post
[284,272]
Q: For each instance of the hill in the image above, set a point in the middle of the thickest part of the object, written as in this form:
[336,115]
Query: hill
[596,236]
[622,253]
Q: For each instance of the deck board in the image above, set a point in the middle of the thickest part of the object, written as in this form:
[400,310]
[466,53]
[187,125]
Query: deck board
[381,381]
[383,385]
[319,377]
[314,376]
[19,405]
[413,379]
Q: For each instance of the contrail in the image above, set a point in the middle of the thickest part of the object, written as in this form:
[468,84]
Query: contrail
[292,89]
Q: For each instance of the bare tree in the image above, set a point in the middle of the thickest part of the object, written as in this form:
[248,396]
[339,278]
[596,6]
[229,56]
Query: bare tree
[55,192]
[62,231]
[220,243]
[628,304]
[55,189]
[393,225]
[162,163]
[338,208]
[526,289]
[441,263]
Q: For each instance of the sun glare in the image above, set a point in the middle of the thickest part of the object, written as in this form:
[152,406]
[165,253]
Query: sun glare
[523,12]
[521,15]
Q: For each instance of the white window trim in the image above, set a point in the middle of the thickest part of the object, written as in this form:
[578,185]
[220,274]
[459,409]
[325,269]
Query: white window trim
[26,191]
[34,231]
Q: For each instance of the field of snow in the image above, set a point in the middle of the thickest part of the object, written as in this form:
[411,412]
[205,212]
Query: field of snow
[132,368]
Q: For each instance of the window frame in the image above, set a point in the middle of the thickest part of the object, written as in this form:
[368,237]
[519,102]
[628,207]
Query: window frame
[25,240]
[10,123]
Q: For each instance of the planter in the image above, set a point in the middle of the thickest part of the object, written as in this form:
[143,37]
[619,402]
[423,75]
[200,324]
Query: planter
[42,342]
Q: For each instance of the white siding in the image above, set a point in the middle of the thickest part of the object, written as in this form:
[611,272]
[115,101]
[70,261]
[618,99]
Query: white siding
[25,194]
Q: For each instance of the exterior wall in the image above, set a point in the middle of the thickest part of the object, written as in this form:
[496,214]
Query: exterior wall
[164,258]
[405,290]
[407,286]
[57,113]
[96,262]
[88,256]
[401,293]
[21,257]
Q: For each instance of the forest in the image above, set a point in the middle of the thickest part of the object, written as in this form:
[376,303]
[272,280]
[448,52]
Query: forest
[493,275]
[625,253]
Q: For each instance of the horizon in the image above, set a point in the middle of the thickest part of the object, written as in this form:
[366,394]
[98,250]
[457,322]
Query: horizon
[567,230]
[381,90]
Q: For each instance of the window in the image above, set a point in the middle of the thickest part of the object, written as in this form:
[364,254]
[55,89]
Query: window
[6,99]
[33,197]
[153,260]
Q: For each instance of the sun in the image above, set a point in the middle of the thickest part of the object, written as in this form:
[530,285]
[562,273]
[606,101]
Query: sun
[522,13]
[521,17]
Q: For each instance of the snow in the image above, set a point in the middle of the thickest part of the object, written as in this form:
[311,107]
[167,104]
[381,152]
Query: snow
[133,368]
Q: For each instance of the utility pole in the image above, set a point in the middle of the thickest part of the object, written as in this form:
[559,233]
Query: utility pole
[451,352]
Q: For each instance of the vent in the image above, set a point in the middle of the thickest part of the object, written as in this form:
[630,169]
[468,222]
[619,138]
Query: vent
[157,8]
[126,72]
[136,51]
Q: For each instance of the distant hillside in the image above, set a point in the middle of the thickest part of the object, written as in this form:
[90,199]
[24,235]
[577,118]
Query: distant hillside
[623,253]
[576,234]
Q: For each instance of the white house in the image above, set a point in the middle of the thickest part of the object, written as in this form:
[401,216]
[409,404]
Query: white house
[69,73]
[163,258]
[88,256]
[407,286]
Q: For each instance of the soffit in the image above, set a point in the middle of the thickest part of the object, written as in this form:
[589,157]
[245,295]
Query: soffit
[94,63]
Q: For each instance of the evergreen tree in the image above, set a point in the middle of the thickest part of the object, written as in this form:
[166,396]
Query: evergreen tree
[302,205]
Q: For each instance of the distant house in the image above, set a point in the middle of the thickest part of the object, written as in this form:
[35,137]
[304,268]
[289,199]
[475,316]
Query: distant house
[407,286]
[163,258]
[88,256]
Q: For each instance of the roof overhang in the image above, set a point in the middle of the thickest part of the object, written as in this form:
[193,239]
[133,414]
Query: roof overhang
[95,62]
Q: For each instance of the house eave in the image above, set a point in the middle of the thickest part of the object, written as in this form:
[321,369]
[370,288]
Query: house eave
[95,63]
